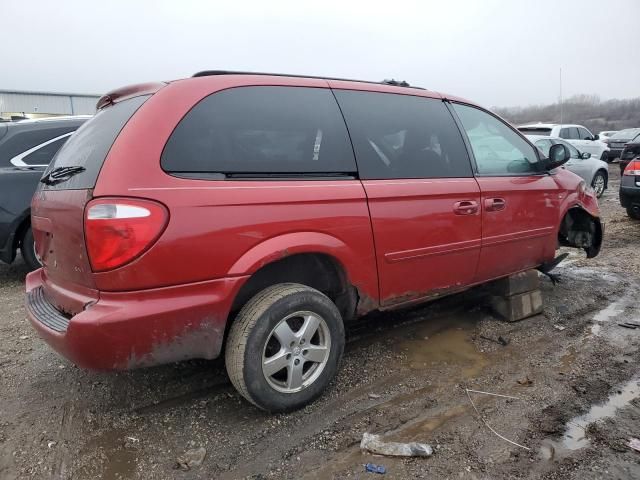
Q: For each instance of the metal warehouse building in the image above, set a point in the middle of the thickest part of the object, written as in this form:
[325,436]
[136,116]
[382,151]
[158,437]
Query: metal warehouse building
[15,103]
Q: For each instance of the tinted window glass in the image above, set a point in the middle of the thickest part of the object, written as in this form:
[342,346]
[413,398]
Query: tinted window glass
[498,150]
[43,155]
[402,136]
[18,141]
[89,145]
[262,130]
[584,134]
[564,133]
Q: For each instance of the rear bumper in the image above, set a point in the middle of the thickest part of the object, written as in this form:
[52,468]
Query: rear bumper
[137,329]
[614,152]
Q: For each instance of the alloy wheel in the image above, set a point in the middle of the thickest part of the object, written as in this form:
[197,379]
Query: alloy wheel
[296,352]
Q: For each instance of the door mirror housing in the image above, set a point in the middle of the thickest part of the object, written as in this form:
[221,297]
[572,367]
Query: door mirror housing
[585,155]
[596,137]
[559,154]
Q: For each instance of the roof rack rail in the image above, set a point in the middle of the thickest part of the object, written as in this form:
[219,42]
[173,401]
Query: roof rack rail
[392,82]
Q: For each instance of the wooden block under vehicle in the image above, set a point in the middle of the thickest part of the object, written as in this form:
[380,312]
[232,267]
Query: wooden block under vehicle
[518,307]
[517,283]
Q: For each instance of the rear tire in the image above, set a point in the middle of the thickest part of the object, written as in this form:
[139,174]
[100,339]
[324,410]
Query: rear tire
[291,326]
[28,249]
[633,213]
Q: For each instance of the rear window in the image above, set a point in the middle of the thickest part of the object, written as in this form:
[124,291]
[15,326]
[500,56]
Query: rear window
[545,132]
[89,145]
[261,131]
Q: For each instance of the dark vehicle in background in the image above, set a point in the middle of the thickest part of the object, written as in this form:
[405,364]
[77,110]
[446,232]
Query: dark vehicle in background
[618,140]
[26,148]
[630,151]
[630,188]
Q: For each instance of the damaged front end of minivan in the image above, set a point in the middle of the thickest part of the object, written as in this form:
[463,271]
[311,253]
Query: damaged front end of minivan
[581,229]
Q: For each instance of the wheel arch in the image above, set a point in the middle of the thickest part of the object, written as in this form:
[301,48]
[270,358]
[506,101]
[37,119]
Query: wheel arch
[315,259]
[581,229]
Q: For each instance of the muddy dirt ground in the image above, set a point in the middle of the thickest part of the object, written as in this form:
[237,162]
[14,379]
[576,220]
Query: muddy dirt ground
[573,369]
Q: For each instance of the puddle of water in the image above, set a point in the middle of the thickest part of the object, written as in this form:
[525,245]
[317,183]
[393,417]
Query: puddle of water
[575,437]
[435,343]
[610,312]
[582,272]
[416,431]
[119,461]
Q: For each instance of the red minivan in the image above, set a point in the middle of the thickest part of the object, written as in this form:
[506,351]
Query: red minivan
[256,214]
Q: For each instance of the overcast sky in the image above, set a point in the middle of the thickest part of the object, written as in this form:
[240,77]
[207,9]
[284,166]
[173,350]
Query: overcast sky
[496,52]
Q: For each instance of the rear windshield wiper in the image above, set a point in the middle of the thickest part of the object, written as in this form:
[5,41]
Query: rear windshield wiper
[60,174]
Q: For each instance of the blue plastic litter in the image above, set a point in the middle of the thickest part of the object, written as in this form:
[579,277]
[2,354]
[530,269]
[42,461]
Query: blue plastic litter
[373,468]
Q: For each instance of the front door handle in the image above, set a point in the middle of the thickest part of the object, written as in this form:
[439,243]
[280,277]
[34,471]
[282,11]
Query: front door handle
[465,207]
[494,204]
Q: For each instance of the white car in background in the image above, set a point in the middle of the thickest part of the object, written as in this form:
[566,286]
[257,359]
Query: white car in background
[604,136]
[577,135]
[593,171]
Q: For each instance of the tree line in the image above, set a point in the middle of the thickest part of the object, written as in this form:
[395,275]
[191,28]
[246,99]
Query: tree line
[587,110]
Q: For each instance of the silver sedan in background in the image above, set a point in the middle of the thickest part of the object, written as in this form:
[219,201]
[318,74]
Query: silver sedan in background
[594,171]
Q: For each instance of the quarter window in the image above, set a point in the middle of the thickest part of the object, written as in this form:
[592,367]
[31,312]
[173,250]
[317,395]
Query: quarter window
[43,155]
[20,142]
[261,131]
[497,149]
[403,136]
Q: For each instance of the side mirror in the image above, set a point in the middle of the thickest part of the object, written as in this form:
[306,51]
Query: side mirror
[559,154]
[585,155]
[596,137]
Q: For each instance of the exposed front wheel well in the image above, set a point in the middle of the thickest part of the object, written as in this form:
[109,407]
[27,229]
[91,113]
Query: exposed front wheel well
[581,230]
[316,270]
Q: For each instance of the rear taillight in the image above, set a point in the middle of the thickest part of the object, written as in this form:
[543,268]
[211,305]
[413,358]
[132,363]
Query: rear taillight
[117,230]
[633,168]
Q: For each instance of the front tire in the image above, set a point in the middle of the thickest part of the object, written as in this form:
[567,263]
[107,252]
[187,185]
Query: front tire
[284,347]
[599,183]
[28,249]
